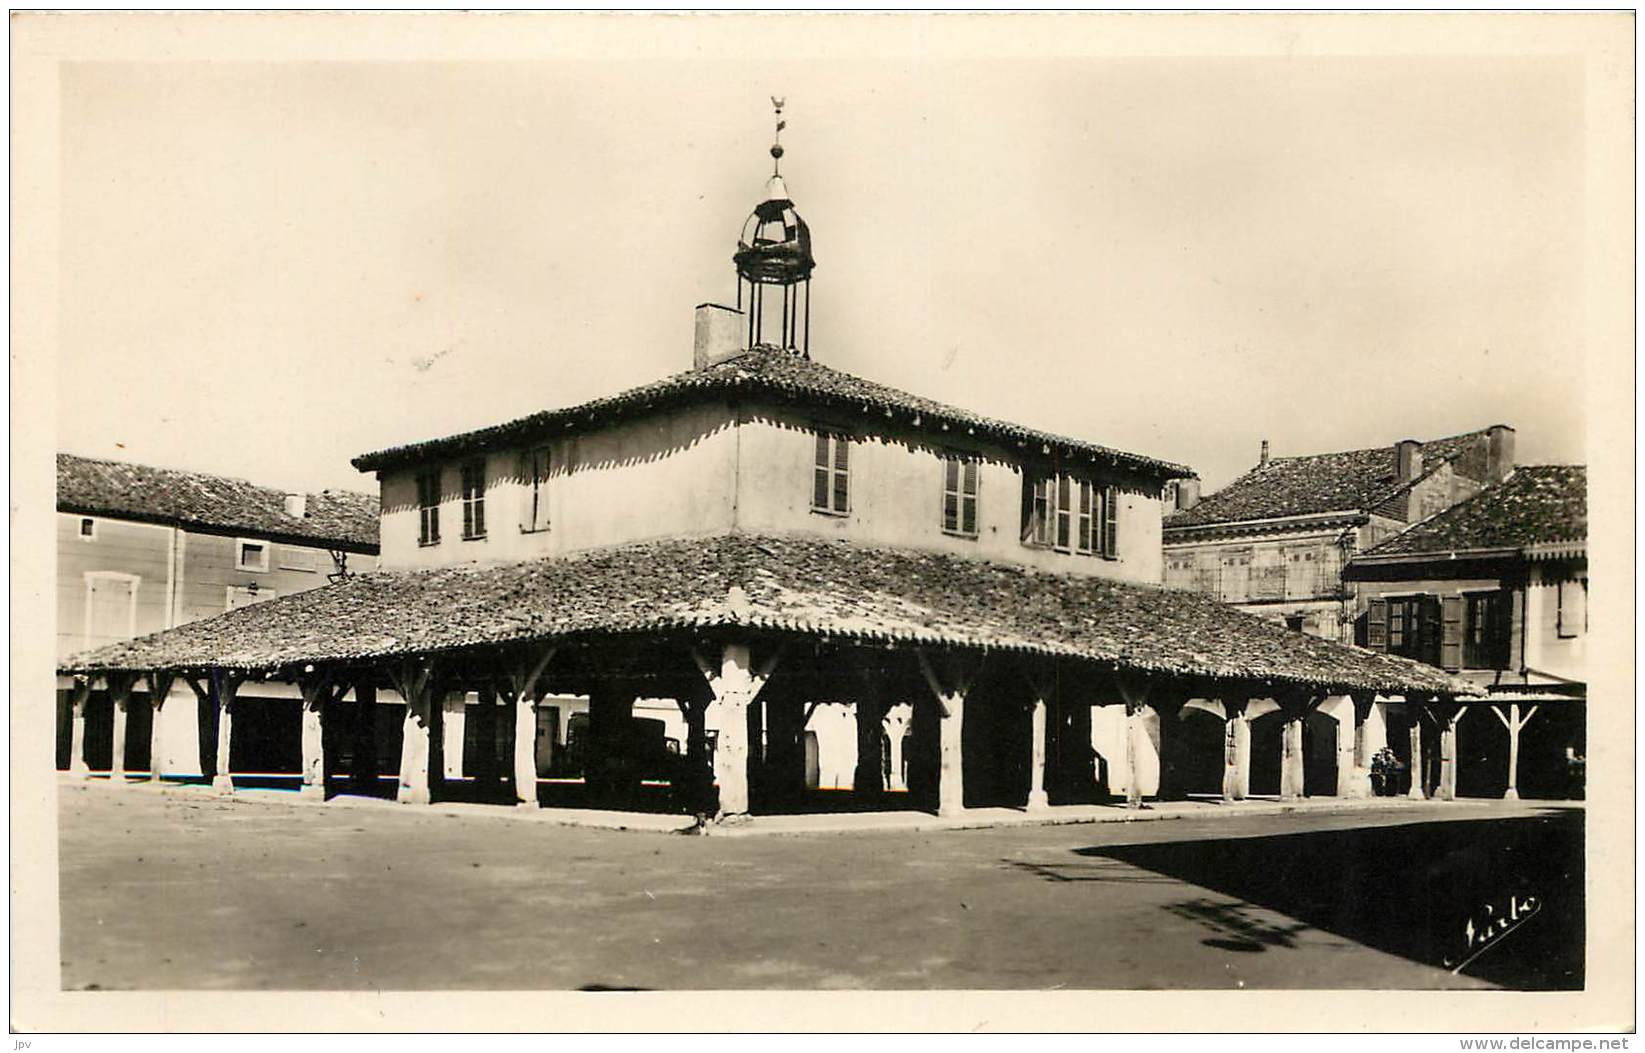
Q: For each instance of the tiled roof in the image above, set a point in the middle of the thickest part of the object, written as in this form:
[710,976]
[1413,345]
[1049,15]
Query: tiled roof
[821,587]
[1536,505]
[776,375]
[1353,480]
[339,519]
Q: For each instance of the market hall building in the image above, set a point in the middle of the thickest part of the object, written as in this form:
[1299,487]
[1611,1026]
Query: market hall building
[801,565]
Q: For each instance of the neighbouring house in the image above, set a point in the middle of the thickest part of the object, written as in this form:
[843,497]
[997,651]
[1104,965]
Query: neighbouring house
[141,549]
[1274,541]
[763,584]
[1495,590]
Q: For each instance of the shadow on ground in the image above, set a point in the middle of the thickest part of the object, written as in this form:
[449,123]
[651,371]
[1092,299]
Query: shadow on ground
[1500,900]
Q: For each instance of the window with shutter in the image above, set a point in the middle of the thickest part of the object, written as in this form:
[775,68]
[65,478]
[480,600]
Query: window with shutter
[1376,625]
[1038,509]
[1087,521]
[534,466]
[1451,640]
[959,496]
[1065,515]
[1110,523]
[1432,632]
[474,500]
[831,474]
[428,508]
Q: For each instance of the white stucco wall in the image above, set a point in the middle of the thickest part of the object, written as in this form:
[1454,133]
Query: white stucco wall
[668,475]
[896,499]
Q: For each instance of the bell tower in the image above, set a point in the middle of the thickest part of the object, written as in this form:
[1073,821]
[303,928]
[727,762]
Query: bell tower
[774,262]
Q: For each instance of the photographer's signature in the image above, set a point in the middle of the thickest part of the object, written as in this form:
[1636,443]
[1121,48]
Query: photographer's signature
[1490,925]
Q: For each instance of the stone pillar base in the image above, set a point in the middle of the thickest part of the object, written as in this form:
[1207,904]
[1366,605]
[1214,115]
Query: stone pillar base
[410,795]
[222,784]
[314,790]
[1039,801]
[1510,794]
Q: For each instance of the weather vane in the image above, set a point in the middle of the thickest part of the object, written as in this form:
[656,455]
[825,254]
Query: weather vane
[776,144]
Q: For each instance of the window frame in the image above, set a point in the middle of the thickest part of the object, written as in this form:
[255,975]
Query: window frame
[473,497]
[834,469]
[964,468]
[1410,607]
[428,511]
[536,510]
[80,528]
[1491,650]
[1091,515]
[240,544]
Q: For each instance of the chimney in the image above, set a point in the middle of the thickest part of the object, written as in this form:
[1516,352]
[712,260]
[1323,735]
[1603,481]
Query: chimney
[719,335]
[1407,460]
[1262,458]
[1499,457]
[297,505]
[1187,494]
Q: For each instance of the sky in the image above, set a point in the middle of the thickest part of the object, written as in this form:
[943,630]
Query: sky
[268,268]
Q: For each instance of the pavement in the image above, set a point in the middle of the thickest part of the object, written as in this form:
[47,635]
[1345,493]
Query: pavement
[176,888]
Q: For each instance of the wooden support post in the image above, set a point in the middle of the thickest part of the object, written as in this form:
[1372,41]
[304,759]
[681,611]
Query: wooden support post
[78,699]
[867,778]
[1515,724]
[1359,784]
[1294,706]
[1448,717]
[224,690]
[453,730]
[1343,712]
[1133,691]
[159,685]
[949,684]
[413,680]
[319,697]
[485,732]
[1291,769]
[1417,792]
[520,687]
[120,685]
[1236,747]
[363,778]
[736,683]
[1038,800]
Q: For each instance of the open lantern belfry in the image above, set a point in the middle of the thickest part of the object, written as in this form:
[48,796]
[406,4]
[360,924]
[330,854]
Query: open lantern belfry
[774,252]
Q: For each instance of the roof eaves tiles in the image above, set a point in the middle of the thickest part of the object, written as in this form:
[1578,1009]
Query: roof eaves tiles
[825,588]
[766,372]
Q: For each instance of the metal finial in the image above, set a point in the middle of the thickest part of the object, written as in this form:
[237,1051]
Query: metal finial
[776,140]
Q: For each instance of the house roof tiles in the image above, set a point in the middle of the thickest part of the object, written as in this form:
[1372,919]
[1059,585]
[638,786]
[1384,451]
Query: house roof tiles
[1348,481]
[820,587]
[339,519]
[1536,505]
[778,375]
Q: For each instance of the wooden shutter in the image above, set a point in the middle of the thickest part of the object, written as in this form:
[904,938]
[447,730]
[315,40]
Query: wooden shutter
[1376,626]
[1110,522]
[820,474]
[1450,646]
[1029,483]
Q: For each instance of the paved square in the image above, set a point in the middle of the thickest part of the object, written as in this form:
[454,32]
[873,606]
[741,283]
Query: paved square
[175,889]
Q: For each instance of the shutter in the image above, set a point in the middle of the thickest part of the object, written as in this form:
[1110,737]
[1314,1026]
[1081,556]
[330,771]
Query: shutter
[1110,522]
[1502,629]
[1030,484]
[1450,649]
[1376,626]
